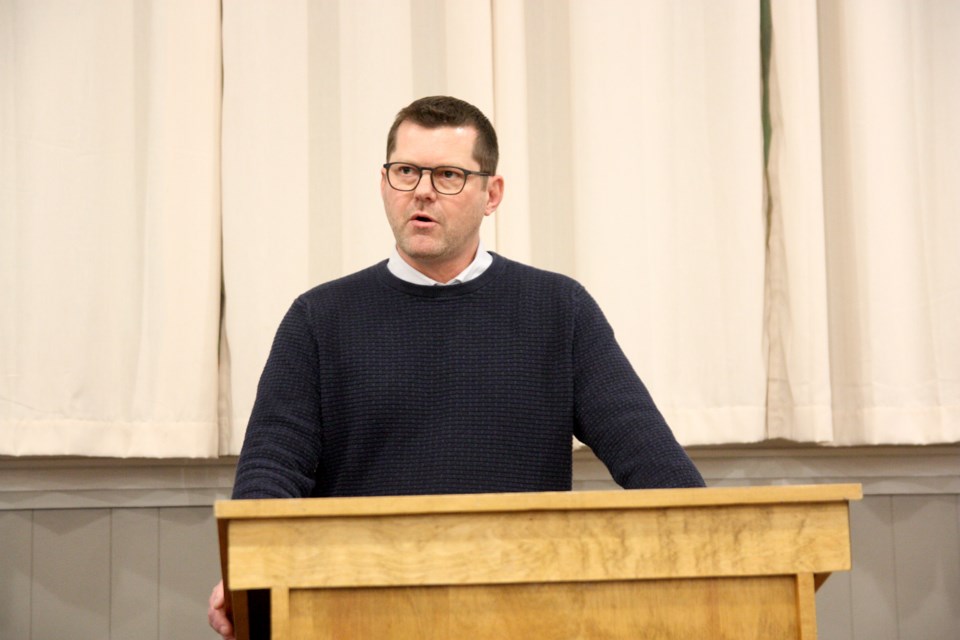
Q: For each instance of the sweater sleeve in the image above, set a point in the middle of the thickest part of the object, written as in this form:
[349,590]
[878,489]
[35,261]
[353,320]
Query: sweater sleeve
[615,415]
[281,449]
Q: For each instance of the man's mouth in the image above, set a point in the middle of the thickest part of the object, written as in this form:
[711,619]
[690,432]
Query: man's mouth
[422,220]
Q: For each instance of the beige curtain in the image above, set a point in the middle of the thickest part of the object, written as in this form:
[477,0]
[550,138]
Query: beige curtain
[667,214]
[866,275]
[891,99]
[109,227]
[809,294]
[634,157]
[629,140]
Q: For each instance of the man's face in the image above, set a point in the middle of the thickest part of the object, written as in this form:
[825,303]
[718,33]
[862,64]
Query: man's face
[438,234]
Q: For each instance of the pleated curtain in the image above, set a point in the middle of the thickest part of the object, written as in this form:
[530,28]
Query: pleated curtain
[109,228]
[761,195]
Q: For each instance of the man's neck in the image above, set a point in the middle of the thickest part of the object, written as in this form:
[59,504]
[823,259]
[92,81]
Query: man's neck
[417,272]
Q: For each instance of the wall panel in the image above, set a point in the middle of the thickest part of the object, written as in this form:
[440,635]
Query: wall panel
[70,595]
[834,606]
[873,584]
[134,574]
[927,556]
[128,549]
[189,567]
[16,557]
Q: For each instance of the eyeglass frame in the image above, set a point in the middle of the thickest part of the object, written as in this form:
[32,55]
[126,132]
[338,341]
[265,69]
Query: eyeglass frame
[466,174]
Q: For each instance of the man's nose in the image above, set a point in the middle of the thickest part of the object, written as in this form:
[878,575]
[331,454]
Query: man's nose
[425,187]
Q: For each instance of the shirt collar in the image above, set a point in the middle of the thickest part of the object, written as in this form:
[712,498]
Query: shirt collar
[401,269]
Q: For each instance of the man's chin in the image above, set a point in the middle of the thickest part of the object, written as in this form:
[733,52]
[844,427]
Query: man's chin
[423,252]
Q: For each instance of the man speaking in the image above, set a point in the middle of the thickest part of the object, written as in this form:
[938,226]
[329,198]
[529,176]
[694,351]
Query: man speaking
[446,368]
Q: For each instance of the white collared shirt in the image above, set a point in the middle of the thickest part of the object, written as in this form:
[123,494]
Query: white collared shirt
[400,268]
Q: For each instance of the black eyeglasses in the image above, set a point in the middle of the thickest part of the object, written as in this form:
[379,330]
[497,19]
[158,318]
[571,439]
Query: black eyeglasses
[448,181]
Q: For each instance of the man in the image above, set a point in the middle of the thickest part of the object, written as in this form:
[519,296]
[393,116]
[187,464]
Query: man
[446,369]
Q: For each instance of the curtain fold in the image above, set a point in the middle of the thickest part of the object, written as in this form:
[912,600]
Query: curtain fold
[796,323]
[890,103]
[109,228]
[667,159]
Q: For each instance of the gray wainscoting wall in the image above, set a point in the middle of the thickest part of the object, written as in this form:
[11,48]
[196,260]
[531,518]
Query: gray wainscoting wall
[115,549]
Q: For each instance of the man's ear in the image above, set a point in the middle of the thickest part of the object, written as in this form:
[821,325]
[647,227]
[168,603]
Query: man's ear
[494,194]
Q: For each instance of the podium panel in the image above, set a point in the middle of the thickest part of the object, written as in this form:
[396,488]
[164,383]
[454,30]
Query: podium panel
[733,608]
[678,563]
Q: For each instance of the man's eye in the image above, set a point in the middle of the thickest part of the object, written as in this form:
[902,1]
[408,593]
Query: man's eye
[405,170]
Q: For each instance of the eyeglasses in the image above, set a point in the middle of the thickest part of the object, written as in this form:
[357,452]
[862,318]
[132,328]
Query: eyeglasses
[448,181]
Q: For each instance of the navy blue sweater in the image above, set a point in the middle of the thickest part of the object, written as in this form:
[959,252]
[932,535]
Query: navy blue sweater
[375,386]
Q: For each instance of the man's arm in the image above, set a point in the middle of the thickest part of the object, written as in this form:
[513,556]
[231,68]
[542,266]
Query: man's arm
[281,449]
[615,415]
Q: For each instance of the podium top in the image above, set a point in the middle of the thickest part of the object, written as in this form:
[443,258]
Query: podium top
[544,501]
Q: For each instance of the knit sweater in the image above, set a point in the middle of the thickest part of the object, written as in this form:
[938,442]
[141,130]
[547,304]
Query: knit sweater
[375,386]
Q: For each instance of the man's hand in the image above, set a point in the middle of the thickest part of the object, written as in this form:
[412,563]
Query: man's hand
[217,613]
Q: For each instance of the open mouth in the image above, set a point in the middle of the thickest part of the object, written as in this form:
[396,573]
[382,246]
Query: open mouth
[422,219]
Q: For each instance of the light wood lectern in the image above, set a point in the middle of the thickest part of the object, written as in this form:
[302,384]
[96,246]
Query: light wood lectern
[675,563]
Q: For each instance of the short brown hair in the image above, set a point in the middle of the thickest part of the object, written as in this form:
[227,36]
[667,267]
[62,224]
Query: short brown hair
[443,111]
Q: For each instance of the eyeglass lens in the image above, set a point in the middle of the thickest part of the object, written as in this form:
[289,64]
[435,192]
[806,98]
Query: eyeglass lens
[446,180]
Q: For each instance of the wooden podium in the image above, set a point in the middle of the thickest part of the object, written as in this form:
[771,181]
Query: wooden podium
[676,563]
